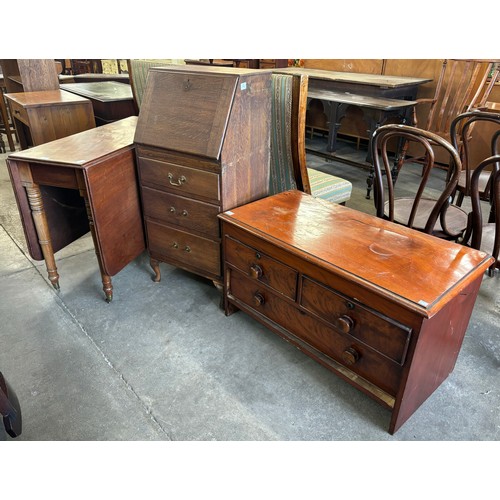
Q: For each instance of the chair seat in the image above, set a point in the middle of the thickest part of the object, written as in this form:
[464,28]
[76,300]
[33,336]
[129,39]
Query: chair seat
[328,187]
[456,218]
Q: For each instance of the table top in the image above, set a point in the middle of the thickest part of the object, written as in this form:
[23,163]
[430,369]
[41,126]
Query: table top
[384,103]
[82,149]
[419,269]
[100,91]
[44,98]
[385,81]
[119,77]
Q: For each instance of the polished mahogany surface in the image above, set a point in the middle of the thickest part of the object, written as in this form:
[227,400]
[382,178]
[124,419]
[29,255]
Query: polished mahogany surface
[412,265]
[384,307]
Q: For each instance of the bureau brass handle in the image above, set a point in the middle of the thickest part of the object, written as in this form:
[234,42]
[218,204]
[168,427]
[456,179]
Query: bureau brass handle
[255,271]
[181,180]
[175,245]
[345,323]
[187,249]
[350,356]
[185,213]
[258,300]
[172,210]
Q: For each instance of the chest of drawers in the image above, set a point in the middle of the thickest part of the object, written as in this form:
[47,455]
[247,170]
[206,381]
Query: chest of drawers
[202,144]
[384,307]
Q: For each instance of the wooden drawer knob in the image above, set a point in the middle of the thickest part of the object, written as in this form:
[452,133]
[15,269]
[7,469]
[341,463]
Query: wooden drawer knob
[255,271]
[345,323]
[258,300]
[350,356]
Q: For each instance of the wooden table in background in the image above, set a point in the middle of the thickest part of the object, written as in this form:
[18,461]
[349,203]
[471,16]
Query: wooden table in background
[359,88]
[81,182]
[111,100]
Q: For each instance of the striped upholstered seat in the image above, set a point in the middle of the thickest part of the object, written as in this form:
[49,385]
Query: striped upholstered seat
[329,187]
[288,157]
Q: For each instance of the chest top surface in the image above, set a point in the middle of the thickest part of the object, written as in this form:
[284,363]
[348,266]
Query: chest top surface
[414,266]
[187,109]
[83,148]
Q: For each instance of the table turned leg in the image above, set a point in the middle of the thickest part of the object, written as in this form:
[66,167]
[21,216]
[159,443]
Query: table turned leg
[42,229]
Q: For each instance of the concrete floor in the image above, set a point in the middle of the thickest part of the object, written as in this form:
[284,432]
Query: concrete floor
[162,362]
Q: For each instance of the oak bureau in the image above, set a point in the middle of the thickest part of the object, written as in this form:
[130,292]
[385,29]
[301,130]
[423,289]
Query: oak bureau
[202,145]
[383,306]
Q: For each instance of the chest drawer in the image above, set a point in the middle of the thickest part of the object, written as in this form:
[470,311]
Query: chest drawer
[170,244]
[355,356]
[261,268]
[380,333]
[178,178]
[19,112]
[181,211]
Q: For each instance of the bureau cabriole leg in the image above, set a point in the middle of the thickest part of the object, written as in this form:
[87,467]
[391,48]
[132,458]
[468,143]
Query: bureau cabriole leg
[155,266]
[42,229]
[107,286]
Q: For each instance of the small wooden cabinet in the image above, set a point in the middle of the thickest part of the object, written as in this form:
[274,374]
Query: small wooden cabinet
[383,306]
[46,115]
[202,144]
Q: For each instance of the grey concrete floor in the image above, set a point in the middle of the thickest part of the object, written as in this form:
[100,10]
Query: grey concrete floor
[163,363]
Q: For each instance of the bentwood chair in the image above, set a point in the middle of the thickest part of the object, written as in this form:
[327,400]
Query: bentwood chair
[10,409]
[288,154]
[463,85]
[461,132]
[484,234]
[423,201]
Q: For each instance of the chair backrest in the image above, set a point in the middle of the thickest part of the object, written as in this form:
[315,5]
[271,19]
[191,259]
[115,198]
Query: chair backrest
[463,84]
[491,241]
[138,74]
[422,180]
[288,169]
[461,127]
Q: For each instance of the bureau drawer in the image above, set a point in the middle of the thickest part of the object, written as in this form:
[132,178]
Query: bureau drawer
[19,112]
[181,211]
[386,336]
[357,357]
[261,268]
[178,178]
[183,247]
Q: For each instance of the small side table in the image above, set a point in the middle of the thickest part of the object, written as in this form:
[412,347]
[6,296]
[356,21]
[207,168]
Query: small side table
[47,115]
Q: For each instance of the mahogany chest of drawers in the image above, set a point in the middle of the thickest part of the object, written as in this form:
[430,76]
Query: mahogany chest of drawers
[202,144]
[383,306]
